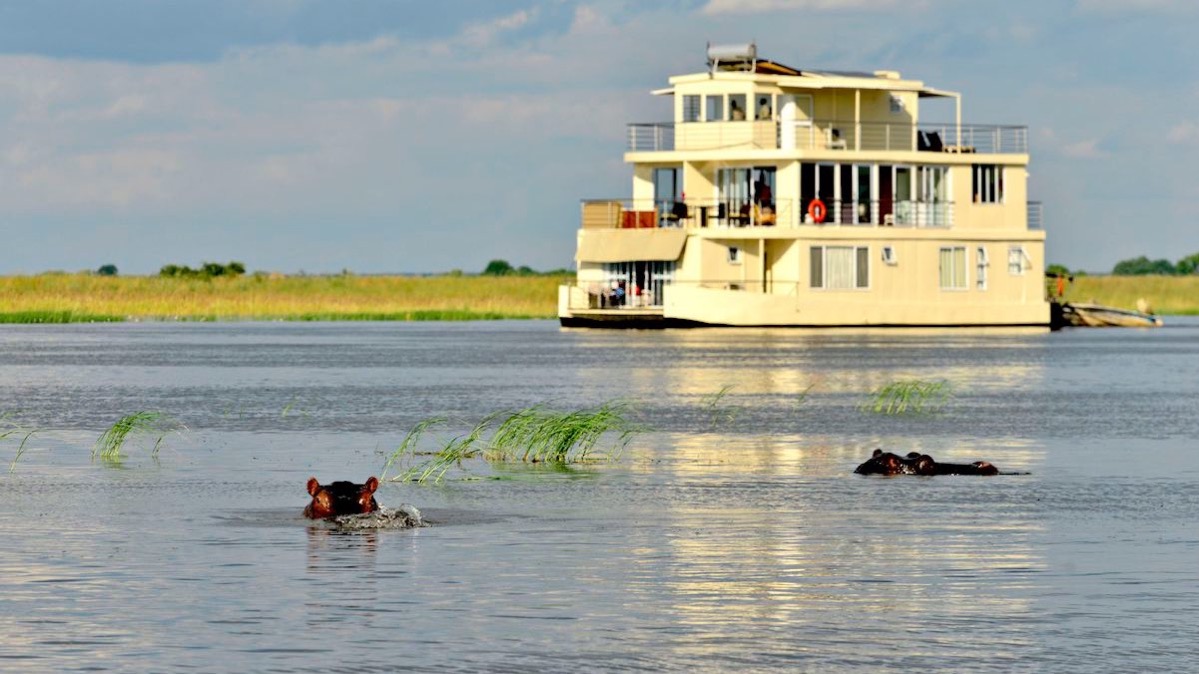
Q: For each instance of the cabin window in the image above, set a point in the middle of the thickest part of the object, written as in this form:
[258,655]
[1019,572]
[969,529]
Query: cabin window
[862,193]
[839,267]
[668,189]
[740,190]
[903,200]
[636,283]
[690,108]
[932,209]
[734,255]
[889,255]
[953,268]
[765,109]
[980,258]
[987,182]
[715,108]
[1016,257]
[737,108]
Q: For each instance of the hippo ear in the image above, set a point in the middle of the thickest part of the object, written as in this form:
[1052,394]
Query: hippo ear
[985,468]
[313,486]
[877,453]
[372,483]
[925,465]
[913,455]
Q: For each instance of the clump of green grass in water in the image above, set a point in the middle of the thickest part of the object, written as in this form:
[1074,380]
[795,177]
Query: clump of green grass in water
[717,411]
[539,435]
[139,424]
[14,429]
[536,435]
[911,396]
[12,467]
[290,407]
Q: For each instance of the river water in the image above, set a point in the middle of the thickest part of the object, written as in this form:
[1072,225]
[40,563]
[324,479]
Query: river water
[733,535]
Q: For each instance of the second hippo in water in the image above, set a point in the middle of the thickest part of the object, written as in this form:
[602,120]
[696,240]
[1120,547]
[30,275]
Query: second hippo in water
[886,463]
[341,498]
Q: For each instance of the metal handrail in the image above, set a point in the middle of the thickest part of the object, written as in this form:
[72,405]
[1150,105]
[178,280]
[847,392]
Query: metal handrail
[828,134]
[701,213]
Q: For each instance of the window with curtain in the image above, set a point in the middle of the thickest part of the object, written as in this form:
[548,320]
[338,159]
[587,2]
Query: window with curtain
[980,257]
[839,267]
[690,108]
[987,183]
[953,268]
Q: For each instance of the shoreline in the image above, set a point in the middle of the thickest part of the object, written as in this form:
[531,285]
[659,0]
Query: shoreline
[86,298]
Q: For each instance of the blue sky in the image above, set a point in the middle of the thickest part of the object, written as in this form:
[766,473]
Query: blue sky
[379,135]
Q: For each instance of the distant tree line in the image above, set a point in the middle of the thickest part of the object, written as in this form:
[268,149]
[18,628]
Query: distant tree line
[503,268]
[1142,265]
[206,270]
[1139,266]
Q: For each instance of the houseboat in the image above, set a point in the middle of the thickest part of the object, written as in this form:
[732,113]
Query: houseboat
[787,197]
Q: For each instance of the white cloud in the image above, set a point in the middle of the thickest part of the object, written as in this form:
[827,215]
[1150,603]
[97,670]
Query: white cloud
[483,34]
[1083,149]
[1184,132]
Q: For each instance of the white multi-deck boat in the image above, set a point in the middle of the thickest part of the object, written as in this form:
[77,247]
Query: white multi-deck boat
[787,197]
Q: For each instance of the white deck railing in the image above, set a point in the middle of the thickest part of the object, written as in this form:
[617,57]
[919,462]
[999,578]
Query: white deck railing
[824,134]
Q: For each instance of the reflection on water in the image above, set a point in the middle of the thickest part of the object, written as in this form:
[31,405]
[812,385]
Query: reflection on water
[732,536]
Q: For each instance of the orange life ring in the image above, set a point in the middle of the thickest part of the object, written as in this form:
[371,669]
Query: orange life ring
[817,211]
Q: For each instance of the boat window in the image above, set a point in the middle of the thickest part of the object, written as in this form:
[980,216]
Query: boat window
[1016,257]
[668,189]
[690,108]
[734,255]
[863,193]
[826,190]
[715,109]
[765,109]
[737,108]
[889,255]
[987,183]
[980,258]
[934,192]
[953,268]
[642,283]
[840,267]
[905,208]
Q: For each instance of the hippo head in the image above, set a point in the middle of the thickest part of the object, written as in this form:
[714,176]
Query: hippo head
[886,463]
[915,463]
[341,498]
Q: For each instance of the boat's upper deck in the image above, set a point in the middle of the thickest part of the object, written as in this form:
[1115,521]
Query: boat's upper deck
[744,104]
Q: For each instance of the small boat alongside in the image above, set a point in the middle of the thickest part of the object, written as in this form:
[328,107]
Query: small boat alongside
[1082,314]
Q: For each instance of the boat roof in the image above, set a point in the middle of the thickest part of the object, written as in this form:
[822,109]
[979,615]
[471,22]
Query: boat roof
[773,72]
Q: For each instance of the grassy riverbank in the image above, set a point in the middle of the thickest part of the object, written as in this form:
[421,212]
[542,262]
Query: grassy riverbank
[63,298]
[1165,294]
[73,298]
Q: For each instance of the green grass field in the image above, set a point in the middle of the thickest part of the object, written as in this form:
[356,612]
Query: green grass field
[75,298]
[1165,294]
[62,298]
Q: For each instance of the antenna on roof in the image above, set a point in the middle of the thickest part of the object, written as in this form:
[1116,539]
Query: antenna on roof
[743,57]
